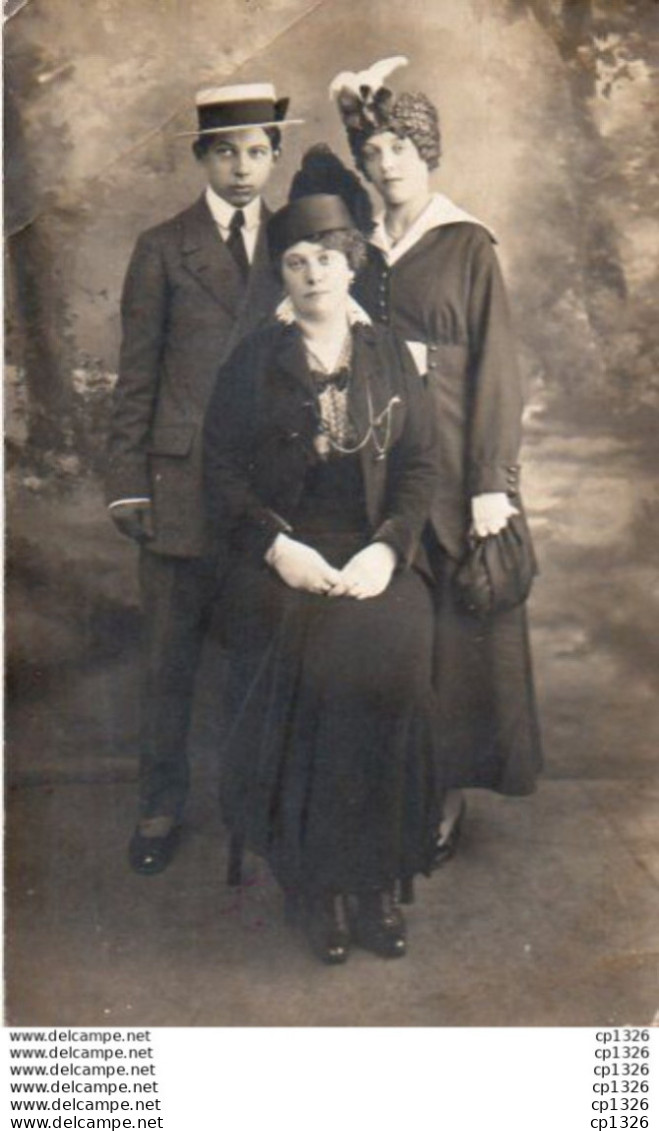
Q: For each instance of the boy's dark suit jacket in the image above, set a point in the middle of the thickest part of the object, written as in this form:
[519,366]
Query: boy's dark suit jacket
[184,308]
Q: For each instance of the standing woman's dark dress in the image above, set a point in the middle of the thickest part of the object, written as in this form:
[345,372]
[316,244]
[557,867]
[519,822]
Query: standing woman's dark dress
[444,292]
[330,768]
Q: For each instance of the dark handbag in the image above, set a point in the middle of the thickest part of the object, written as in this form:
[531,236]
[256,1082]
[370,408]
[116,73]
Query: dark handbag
[497,571]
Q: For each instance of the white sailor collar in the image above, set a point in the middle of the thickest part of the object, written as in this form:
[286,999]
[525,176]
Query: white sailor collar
[439,212]
[223,212]
[357,316]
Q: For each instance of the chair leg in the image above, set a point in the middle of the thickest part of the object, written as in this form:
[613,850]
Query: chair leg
[235,866]
[407,889]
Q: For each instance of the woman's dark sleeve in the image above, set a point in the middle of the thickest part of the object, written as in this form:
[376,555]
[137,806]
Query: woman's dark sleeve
[413,464]
[495,390]
[229,437]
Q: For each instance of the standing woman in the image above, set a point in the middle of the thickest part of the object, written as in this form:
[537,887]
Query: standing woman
[320,461]
[433,276]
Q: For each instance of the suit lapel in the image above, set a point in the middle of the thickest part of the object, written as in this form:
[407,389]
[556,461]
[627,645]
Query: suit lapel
[262,289]
[292,359]
[369,385]
[262,285]
[205,255]
[365,380]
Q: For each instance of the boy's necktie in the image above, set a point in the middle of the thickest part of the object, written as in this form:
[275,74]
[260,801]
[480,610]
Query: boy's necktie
[236,243]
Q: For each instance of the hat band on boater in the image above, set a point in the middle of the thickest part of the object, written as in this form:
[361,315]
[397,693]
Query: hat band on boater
[232,115]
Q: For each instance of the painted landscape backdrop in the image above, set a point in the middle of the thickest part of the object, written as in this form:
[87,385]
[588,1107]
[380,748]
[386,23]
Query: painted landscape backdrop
[549,120]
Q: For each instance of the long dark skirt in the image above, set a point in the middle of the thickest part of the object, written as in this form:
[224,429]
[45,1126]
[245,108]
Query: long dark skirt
[330,770]
[490,736]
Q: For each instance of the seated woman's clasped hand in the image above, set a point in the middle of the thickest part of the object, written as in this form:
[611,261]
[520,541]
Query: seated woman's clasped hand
[300,566]
[367,574]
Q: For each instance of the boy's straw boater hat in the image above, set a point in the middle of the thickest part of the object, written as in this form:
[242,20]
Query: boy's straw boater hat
[242,107]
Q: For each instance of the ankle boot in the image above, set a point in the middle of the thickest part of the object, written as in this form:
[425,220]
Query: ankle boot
[327,930]
[377,924]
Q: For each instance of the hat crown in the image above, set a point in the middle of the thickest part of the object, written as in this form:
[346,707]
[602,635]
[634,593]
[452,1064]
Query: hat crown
[240,92]
[305,218]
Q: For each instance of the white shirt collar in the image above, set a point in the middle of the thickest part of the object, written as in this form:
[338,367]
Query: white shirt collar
[222,211]
[357,316]
[438,212]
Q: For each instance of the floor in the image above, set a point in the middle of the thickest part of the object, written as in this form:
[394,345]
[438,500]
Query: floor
[547,916]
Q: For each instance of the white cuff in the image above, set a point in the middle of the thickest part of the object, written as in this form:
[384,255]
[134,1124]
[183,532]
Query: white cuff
[127,502]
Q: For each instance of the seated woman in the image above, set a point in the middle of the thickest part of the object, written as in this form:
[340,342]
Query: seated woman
[320,465]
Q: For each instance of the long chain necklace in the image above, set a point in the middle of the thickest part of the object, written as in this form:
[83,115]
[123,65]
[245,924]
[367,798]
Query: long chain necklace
[325,440]
[374,422]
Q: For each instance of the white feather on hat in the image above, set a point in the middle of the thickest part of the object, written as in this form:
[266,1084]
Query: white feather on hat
[370,80]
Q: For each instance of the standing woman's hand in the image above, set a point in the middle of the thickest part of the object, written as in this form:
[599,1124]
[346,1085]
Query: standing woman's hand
[301,566]
[367,574]
[490,513]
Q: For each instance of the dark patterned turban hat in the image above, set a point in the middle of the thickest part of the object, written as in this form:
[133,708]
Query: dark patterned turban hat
[367,107]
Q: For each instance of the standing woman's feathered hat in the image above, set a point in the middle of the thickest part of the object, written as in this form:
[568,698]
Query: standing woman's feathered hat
[368,107]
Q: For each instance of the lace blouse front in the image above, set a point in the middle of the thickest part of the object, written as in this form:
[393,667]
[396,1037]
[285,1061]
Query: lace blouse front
[332,388]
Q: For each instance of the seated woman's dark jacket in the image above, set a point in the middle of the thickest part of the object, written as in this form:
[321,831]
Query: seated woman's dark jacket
[262,420]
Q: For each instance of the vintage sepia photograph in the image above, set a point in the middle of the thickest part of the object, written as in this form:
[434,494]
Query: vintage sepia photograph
[332,510]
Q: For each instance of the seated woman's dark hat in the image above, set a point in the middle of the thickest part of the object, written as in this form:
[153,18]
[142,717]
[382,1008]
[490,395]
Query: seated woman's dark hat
[324,197]
[305,219]
[239,107]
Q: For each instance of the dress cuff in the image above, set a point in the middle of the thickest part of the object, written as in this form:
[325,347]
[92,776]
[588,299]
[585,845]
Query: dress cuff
[486,480]
[388,534]
[262,531]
